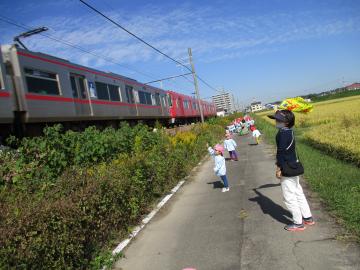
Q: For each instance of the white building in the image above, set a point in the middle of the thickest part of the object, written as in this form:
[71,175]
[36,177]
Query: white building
[256,106]
[224,102]
[220,113]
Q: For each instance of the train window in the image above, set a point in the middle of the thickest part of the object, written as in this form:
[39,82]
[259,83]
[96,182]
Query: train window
[142,97]
[114,92]
[169,100]
[41,82]
[129,94]
[145,98]
[177,103]
[186,104]
[157,99]
[153,99]
[102,91]
[148,98]
[82,87]
[78,86]
[73,87]
[163,101]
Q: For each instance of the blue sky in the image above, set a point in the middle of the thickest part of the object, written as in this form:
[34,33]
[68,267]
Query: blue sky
[264,50]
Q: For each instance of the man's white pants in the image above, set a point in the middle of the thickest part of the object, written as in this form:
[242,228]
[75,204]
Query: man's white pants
[294,198]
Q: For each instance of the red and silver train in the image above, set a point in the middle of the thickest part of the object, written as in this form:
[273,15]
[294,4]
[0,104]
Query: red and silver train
[38,89]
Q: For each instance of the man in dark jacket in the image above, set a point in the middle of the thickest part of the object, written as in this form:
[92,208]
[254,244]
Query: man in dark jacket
[294,197]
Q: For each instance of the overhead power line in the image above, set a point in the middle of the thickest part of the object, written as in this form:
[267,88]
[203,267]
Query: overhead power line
[168,78]
[132,34]
[25,27]
[145,42]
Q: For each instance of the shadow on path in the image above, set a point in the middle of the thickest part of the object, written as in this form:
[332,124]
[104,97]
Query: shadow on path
[216,184]
[271,208]
[268,186]
[253,144]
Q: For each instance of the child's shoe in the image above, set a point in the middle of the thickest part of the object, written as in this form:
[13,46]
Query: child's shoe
[309,221]
[294,227]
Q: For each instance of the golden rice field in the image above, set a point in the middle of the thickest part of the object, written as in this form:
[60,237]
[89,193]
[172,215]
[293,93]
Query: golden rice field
[334,126]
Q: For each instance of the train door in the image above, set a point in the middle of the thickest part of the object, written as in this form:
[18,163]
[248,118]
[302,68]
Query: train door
[78,87]
[130,98]
[163,105]
[181,104]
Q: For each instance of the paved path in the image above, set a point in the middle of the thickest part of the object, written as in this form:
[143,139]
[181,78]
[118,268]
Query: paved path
[203,228]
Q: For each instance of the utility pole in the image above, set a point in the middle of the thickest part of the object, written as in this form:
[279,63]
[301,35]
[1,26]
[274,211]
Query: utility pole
[196,85]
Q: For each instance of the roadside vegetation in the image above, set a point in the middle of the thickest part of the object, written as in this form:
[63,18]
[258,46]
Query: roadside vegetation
[329,150]
[67,196]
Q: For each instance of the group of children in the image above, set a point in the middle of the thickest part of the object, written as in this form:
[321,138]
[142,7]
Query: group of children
[230,145]
[286,157]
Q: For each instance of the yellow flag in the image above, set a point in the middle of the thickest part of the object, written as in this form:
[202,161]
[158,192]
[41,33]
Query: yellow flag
[297,104]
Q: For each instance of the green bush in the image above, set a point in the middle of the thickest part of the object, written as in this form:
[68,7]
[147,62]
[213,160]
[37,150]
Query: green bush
[66,196]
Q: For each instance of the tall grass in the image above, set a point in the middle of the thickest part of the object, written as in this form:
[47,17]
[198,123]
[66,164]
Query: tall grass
[336,182]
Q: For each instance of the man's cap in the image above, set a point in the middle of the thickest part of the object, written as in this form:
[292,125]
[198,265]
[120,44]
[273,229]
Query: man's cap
[279,115]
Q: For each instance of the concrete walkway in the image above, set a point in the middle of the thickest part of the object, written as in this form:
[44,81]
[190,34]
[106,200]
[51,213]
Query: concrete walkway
[205,229]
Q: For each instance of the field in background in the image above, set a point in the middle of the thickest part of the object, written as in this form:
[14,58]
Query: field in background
[333,126]
[336,95]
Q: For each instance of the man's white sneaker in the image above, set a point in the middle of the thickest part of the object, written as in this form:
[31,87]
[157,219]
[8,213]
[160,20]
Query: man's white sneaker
[224,189]
[228,189]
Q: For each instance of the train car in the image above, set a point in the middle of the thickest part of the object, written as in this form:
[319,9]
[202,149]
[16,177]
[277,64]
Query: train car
[37,89]
[209,109]
[50,89]
[185,109]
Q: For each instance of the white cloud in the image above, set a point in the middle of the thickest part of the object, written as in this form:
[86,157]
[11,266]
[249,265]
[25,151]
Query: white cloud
[174,31]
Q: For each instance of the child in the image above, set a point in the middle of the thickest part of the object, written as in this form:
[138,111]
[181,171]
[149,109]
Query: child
[293,194]
[256,134]
[231,128]
[220,168]
[230,146]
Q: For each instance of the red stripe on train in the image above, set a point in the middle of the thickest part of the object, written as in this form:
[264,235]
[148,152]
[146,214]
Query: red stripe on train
[54,98]
[4,94]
